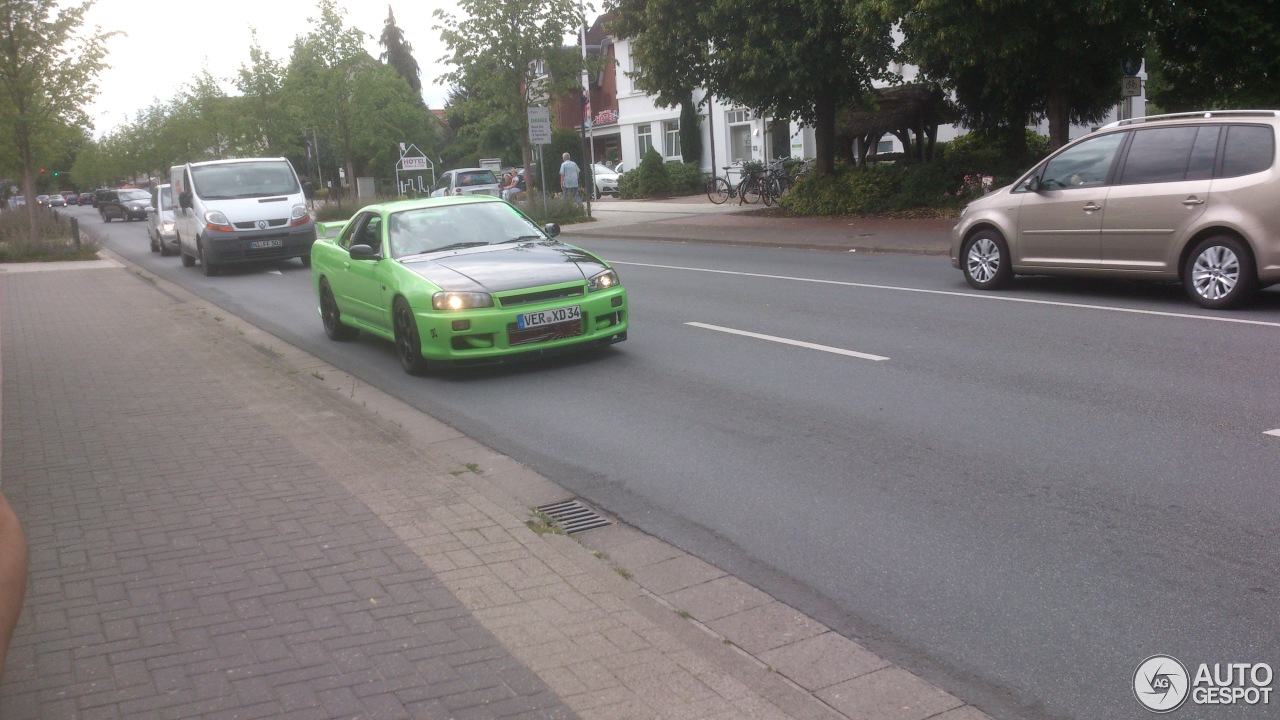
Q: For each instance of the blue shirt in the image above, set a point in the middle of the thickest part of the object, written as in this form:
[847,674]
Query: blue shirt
[569,171]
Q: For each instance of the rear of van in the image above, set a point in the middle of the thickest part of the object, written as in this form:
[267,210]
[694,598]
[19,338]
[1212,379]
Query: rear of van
[240,211]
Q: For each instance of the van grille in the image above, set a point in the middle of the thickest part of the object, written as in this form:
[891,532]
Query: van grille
[253,225]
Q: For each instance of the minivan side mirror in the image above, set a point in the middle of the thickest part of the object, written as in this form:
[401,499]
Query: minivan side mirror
[184,200]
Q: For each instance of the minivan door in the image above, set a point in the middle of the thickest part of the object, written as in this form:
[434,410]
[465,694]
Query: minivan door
[1060,224]
[1161,189]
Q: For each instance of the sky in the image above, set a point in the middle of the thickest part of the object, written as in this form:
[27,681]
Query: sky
[168,43]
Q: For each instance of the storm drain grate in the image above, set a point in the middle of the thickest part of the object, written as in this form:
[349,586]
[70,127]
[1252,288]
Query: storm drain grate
[574,516]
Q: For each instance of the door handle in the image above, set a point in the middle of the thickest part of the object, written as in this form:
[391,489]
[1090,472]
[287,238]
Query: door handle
[1192,201]
[1092,207]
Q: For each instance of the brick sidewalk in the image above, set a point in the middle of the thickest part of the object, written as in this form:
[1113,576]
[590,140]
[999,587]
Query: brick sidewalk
[223,526]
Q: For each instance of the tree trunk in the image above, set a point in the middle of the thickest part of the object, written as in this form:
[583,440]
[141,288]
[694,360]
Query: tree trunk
[1059,114]
[23,136]
[824,135]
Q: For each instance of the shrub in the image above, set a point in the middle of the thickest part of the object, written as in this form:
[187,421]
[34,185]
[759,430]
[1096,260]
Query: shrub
[558,210]
[55,238]
[684,179]
[871,190]
[647,181]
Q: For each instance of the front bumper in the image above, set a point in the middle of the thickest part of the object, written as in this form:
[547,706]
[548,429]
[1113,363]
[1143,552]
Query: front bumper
[226,248]
[488,335]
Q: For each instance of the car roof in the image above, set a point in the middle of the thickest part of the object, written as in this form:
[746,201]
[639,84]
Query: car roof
[1198,116]
[237,160]
[395,206]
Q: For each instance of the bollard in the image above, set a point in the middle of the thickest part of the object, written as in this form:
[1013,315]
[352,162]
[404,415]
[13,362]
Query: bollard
[75,233]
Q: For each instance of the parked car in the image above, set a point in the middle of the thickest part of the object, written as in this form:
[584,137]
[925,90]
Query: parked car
[467,181]
[71,198]
[125,204]
[42,200]
[160,225]
[606,180]
[86,198]
[1188,197]
[463,280]
[56,201]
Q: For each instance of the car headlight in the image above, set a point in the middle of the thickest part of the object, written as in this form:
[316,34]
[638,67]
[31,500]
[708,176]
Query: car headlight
[167,225]
[447,300]
[602,281]
[299,215]
[216,220]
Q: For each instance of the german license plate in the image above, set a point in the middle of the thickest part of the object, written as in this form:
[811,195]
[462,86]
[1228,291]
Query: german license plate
[257,244]
[548,317]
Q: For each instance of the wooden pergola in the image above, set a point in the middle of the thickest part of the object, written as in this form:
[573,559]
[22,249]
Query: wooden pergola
[904,111]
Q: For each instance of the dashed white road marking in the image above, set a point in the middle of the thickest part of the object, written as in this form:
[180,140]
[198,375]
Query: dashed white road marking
[788,341]
[952,293]
[1274,433]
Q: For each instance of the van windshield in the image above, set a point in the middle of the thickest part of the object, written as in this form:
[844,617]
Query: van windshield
[227,181]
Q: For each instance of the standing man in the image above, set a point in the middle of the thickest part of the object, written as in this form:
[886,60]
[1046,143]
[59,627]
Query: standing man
[569,178]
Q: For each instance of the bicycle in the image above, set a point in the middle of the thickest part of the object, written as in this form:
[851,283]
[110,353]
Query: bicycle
[720,189]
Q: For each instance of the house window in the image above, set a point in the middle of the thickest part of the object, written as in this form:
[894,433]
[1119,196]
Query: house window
[636,72]
[671,138]
[644,139]
[737,116]
[885,146]
[739,124]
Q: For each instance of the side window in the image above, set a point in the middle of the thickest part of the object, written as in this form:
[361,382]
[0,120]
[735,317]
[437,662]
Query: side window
[371,233]
[1250,149]
[351,231]
[1203,152]
[444,181]
[1158,155]
[1084,165]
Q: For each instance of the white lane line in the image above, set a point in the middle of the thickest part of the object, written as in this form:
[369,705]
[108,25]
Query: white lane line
[787,341]
[951,293]
[1275,433]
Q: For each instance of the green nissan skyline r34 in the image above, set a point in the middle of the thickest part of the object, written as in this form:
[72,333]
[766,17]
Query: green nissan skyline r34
[462,280]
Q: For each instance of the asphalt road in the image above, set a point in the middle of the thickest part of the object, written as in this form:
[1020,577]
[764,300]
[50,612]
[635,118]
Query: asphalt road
[1018,495]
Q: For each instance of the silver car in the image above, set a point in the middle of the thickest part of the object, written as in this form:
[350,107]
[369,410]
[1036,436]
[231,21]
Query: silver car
[467,181]
[1190,197]
[160,225]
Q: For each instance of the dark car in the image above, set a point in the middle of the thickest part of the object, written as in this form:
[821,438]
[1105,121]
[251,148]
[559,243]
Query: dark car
[126,204]
[71,198]
[99,194]
[86,198]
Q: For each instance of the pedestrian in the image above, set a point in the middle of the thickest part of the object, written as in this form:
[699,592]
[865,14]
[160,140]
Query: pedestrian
[13,574]
[569,178]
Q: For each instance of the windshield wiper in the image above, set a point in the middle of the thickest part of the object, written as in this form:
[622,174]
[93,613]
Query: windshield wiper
[522,238]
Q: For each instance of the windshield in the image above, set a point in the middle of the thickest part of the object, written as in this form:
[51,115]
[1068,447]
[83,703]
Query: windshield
[226,181]
[135,195]
[477,177]
[429,229]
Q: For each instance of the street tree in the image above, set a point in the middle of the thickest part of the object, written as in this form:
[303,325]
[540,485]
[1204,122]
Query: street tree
[270,126]
[1214,54]
[508,55]
[1010,61]
[48,68]
[398,53]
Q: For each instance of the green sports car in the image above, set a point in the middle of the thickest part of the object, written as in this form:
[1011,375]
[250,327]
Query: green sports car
[461,280]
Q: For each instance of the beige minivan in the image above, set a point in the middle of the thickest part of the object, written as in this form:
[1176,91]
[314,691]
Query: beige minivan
[1192,197]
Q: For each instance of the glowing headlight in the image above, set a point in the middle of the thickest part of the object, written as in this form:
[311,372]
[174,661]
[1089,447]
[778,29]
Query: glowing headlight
[602,281]
[167,225]
[461,300]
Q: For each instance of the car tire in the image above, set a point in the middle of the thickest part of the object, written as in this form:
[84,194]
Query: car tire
[408,344]
[164,249]
[332,317]
[155,245]
[105,218]
[1219,273]
[985,261]
[210,269]
[306,260]
[187,260]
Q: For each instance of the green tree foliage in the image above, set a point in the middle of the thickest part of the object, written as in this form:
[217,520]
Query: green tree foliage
[507,55]
[651,176]
[269,120]
[1215,54]
[48,68]
[398,53]
[1008,61]
[809,60]
[690,131]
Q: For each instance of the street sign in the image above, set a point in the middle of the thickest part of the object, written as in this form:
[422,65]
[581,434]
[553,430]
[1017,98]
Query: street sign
[1130,86]
[539,126]
[415,163]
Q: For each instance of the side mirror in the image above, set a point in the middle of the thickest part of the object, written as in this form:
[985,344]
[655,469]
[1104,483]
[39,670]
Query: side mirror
[1033,184]
[552,229]
[308,190]
[184,200]
[364,252]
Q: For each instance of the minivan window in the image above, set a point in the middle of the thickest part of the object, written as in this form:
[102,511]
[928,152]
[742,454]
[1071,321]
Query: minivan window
[1250,149]
[1203,152]
[1084,165]
[226,181]
[1158,155]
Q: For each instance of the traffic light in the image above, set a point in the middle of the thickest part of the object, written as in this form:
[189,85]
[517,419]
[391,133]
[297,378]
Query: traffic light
[41,171]
[55,173]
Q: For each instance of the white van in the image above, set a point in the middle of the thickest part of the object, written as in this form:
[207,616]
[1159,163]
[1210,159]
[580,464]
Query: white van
[238,211]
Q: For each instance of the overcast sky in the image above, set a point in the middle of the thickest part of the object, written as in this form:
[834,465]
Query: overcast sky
[169,42]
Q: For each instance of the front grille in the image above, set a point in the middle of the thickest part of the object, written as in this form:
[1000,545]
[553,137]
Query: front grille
[540,296]
[543,333]
[253,224]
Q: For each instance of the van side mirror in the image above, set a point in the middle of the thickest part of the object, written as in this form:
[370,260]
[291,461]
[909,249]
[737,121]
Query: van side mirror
[184,200]
[308,190]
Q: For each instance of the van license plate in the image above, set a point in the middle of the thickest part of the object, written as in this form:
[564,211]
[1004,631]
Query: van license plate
[256,244]
[548,317]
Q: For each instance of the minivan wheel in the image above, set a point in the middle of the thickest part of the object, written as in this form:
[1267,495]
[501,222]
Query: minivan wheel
[1219,273]
[209,268]
[331,316]
[985,261]
[408,344]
